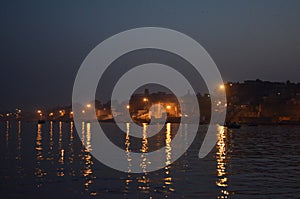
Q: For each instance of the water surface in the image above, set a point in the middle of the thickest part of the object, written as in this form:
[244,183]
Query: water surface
[49,160]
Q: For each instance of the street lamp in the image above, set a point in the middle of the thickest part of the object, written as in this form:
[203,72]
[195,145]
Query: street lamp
[222,87]
[40,114]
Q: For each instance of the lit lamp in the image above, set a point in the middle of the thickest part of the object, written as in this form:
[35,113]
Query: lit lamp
[61,112]
[222,87]
[40,113]
[71,114]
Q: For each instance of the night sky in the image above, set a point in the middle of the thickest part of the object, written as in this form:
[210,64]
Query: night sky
[44,43]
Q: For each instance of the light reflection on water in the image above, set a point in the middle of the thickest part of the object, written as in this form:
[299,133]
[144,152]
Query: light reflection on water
[61,161]
[39,173]
[52,160]
[128,179]
[87,170]
[221,157]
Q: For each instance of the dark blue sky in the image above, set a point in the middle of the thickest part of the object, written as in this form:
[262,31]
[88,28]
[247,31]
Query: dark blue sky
[44,43]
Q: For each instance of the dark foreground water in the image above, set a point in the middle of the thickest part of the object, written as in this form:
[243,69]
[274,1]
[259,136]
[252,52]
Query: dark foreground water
[49,161]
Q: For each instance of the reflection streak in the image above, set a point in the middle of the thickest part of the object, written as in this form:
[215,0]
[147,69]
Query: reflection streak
[128,180]
[61,151]
[87,171]
[39,173]
[144,179]
[168,181]
[221,158]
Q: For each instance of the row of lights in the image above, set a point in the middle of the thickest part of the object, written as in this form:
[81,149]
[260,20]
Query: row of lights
[17,113]
[168,107]
[61,112]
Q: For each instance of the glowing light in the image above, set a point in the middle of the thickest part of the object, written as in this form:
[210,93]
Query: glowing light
[221,158]
[51,114]
[83,111]
[61,112]
[88,105]
[145,99]
[222,86]
[168,107]
[62,152]
[71,113]
[128,107]
[39,111]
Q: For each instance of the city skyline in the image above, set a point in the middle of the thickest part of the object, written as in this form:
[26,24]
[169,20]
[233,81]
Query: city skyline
[152,88]
[250,102]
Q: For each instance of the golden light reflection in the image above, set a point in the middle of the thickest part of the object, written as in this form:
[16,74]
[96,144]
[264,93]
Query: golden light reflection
[127,146]
[168,144]
[88,137]
[71,150]
[221,157]
[61,161]
[144,180]
[71,130]
[50,152]
[168,181]
[128,180]
[87,170]
[39,172]
[82,132]
[144,148]
[39,147]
